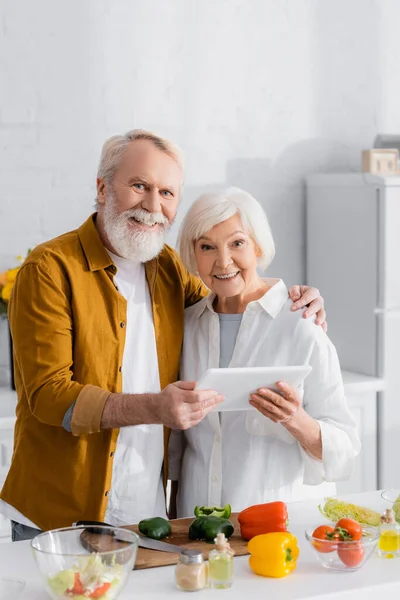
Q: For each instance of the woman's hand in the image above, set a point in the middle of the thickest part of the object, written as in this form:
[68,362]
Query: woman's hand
[280,408]
[286,408]
[302,295]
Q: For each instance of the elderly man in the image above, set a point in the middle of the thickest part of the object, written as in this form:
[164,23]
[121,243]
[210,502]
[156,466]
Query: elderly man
[97,321]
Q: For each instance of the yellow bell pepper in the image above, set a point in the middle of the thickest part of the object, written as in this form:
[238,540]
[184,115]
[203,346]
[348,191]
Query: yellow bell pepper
[273,554]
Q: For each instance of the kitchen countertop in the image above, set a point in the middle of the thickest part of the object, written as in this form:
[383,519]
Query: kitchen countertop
[309,580]
[358,383]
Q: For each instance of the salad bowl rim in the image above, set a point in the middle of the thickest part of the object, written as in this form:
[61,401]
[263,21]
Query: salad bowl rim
[112,531]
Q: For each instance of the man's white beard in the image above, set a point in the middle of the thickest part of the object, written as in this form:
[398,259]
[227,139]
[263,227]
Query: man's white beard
[138,245]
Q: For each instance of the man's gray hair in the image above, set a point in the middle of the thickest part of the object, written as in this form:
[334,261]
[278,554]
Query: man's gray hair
[213,208]
[115,146]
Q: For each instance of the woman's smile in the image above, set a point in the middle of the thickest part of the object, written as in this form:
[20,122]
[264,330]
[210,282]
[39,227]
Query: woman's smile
[226,276]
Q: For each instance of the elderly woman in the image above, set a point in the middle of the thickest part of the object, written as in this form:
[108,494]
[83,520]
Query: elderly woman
[247,321]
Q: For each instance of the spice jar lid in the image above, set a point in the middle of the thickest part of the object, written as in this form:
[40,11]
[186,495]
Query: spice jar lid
[191,556]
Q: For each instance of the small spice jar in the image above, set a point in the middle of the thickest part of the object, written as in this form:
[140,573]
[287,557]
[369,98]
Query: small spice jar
[191,571]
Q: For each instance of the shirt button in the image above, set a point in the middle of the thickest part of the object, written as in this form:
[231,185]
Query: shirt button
[122,324]
[112,454]
[106,494]
[120,369]
[214,478]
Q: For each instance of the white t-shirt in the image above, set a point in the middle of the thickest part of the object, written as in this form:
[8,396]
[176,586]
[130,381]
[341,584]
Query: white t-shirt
[136,488]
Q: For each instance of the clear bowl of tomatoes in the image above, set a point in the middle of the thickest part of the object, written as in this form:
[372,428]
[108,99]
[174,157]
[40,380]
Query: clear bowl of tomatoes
[393,497]
[342,546]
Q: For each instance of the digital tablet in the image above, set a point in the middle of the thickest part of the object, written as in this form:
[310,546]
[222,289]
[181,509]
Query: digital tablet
[236,384]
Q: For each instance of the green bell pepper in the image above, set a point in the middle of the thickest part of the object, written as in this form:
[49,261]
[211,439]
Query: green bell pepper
[206,528]
[155,528]
[224,512]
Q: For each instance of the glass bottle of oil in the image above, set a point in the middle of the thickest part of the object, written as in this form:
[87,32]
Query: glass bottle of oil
[220,564]
[389,539]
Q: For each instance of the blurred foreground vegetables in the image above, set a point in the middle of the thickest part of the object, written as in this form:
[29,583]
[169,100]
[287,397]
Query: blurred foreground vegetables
[224,512]
[263,518]
[273,554]
[156,528]
[335,509]
[207,528]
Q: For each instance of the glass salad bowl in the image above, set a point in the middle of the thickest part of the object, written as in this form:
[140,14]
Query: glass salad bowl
[85,562]
[393,497]
[338,555]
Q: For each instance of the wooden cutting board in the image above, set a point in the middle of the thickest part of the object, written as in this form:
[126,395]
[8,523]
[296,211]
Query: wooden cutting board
[146,559]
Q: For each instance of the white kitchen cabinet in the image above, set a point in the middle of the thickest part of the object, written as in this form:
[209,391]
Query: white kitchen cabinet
[364,478]
[6,442]
[362,393]
[8,401]
[353,250]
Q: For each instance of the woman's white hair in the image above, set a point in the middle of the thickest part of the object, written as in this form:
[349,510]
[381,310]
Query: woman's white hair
[115,146]
[213,208]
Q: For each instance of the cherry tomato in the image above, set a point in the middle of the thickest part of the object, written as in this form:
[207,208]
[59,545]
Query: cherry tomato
[100,591]
[354,529]
[322,532]
[350,553]
[78,588]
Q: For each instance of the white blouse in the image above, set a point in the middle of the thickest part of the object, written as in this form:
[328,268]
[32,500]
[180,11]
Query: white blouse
[237,457]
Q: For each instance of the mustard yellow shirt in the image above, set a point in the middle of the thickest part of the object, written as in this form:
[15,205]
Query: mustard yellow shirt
[67,322]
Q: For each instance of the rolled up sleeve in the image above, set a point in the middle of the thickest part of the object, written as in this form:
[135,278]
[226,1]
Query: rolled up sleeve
[42,332]
[325,401]
[88,410]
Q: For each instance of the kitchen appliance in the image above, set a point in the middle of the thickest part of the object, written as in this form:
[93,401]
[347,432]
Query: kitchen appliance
[353,257]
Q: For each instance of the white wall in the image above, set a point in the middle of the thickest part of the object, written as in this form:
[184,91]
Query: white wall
[257,92]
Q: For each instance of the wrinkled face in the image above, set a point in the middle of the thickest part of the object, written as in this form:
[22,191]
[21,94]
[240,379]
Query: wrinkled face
[139,205]
[226,258]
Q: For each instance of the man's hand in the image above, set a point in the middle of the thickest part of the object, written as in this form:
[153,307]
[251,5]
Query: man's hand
[279,408]
[179,406]
[303,295]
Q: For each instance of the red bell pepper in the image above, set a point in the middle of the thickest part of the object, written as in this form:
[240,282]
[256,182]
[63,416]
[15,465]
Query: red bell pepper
[263,518]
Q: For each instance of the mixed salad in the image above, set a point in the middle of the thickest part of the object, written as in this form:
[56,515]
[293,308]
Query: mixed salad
[89,578]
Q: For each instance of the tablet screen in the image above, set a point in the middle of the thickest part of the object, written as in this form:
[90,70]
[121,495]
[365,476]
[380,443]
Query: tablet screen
[236,384]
